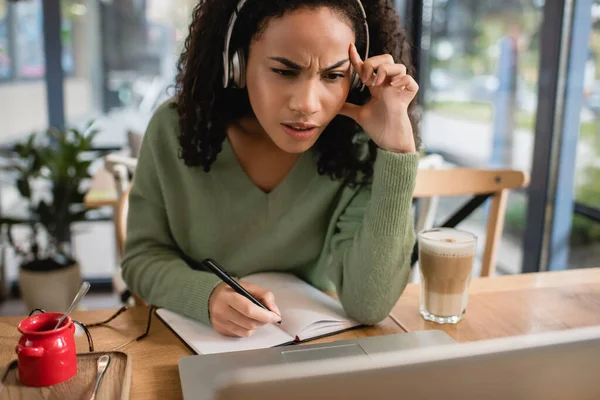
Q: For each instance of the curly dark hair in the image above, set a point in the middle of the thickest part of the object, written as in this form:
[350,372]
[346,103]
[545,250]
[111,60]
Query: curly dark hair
[205,107]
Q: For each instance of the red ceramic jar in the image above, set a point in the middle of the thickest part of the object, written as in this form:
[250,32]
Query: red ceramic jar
[47,356]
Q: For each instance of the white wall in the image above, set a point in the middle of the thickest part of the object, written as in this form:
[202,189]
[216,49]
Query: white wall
[23,106]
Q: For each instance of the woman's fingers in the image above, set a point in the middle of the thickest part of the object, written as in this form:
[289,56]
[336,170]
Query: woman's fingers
[234,315]
[365,69]
[252,311]
[375,70]
[229,328]
[240,319]
[355,59]
[371,67]
[249,309]
[389,70]
[406,82]
[268,299]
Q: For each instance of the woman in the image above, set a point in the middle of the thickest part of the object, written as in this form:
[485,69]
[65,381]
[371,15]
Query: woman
[281,164]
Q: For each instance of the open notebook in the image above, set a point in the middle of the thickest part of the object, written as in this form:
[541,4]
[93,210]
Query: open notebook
[307,314]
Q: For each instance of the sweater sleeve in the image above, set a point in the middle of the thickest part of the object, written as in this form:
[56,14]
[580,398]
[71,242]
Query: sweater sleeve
[153,265]
[370,250]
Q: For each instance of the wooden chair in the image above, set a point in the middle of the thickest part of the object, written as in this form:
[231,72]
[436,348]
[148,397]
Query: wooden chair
[121,167]
[121,221]
[134,140]
[121,232]
[475,182]
[427,206]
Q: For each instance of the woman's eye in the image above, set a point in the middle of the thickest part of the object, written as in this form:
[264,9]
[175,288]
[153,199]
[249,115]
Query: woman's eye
[284,72]
[334,77]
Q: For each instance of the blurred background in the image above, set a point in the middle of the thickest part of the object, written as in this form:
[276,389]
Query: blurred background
[500,88]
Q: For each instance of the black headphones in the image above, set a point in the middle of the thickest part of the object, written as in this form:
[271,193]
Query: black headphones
[234,69]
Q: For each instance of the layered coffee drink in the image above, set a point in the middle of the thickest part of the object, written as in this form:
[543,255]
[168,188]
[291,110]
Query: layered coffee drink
[446,263]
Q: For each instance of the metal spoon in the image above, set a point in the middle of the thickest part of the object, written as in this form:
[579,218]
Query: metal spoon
[85,286]
[102,365]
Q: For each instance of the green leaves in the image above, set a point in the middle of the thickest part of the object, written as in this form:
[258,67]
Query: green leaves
[24,188]
[54,164]
[45,213]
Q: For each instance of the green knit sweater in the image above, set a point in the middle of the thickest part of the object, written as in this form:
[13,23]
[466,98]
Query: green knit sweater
[355,241]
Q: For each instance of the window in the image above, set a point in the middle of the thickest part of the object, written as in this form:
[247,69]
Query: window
[118,82]
[22,41]
[23,107]
[480,99]
[138,53]
[585,233]
[5,59]
[29,40]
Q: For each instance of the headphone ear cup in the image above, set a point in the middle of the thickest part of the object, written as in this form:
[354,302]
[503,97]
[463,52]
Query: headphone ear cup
[238,69]
[356,82]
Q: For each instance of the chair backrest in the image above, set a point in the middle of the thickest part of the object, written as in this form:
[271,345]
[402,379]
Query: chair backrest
[466,181]
[427,206]
[120,165]
[134,140]
[121,231]
[121,220]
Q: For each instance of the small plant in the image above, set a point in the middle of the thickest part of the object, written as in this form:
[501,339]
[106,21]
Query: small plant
[50,170]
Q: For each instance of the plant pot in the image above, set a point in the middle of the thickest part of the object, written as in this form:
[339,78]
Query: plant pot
[52,289]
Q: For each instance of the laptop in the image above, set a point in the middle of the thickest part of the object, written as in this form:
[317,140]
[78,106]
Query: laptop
[558,365]
[199,373]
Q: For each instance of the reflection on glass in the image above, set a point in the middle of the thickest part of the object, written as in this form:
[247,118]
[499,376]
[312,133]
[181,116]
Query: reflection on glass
[481,99]
[5,59]
[483,80]
[585,233]
[124,56]
[29,39]
[138,53]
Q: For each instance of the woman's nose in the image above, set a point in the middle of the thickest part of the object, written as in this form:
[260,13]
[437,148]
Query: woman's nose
[305,98]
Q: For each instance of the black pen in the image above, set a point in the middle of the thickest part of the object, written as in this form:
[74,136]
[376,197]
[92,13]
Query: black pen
[232,283]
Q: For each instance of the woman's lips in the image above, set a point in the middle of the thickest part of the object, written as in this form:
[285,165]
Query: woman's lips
[300,131]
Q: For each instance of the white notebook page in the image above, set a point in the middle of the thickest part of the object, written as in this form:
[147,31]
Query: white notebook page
[204,340]
[306,311]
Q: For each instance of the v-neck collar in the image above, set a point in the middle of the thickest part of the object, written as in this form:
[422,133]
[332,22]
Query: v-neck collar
[283,195]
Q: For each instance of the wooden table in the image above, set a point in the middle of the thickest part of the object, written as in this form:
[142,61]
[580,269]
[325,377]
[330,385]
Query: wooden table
[154,359]
[498,307]
[515,305]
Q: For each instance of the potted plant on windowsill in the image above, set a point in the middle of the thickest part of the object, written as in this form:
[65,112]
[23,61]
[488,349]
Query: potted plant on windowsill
[50,171]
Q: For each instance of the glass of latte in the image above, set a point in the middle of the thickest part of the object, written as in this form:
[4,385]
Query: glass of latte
[446,262]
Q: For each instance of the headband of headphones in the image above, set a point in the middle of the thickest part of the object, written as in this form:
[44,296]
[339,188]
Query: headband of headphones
[239,62]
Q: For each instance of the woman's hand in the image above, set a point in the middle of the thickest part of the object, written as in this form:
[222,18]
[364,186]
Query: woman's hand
[385,117]
[232,314]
